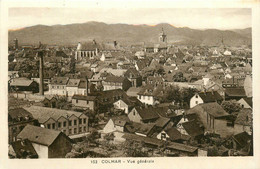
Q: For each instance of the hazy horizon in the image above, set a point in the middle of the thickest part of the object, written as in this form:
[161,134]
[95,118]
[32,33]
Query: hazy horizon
[123,24]
[194,18]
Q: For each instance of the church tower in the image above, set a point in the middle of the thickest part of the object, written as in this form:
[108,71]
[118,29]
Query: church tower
[162,37]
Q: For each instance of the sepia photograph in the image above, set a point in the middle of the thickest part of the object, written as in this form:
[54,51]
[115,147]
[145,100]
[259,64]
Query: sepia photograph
[113,82]
[129,84]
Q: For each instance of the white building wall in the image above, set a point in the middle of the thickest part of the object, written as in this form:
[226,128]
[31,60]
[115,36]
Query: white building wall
[244,104]
[206,81]
[81,91]
[146,99]
[195,100]
[61,91]
[119,128]
[121,105]
[109,127]
[159,136]
[72,91]
[41,150]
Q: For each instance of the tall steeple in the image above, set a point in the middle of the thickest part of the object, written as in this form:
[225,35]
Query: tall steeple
[162,37]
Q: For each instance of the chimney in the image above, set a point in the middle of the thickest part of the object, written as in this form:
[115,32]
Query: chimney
[87,86]
[40,55]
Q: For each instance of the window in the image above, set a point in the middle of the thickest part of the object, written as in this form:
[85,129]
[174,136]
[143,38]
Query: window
[196,96]
[64,131]
[53,87]
[75,122]
[64,124]
[87,102]
[53,125]
[75,130]
[84,128]
[69,131]
[58,87]
[148,97]
[163,136]
[48,126]
[139,96]
[70,122]
[80,121]
[196,102]
[59,124]
[77,101]
[134,112]
[84,121]
[80,130]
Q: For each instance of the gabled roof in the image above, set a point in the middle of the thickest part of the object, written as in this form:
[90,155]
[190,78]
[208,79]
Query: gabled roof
[59,80]
[192,128]
[109,96]
[50,97]
[182,147]
[131,101]
[142,63]
[162,121]
[42,114]
[148,140]
[150,90]
[249,101]
[24,148]
[145,129]
[73,83]
[84,97]
[110,93]
[242,138]
[115,79]
[83,84]
[120,120]
[213,109]
[19,112]
[235,92]
[86,73]
[121,123]
[21,82]
[115,72]
[132,73]
[147,113]
[174,134]
[210,96]
[245,117]
[39,135]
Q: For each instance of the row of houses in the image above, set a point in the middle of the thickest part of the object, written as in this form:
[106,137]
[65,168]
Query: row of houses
[193,124]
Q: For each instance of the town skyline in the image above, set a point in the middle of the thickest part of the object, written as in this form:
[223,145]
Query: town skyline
[102,89]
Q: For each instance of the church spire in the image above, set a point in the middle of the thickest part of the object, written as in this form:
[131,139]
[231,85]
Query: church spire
[162,36]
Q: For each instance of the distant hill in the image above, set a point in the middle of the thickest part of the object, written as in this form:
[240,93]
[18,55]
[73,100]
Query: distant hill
[124,33]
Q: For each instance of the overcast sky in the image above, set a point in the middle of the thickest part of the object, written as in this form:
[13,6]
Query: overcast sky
[204,18]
